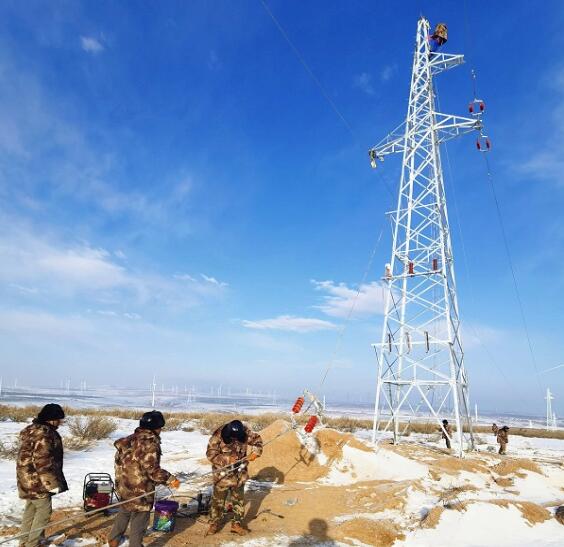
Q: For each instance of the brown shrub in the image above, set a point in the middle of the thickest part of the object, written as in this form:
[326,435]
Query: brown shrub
[91,428]
[173,423]
[12,413]
[431,519]
[9,451]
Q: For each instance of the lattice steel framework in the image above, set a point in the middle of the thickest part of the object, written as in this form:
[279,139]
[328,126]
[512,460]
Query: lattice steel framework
[420,356]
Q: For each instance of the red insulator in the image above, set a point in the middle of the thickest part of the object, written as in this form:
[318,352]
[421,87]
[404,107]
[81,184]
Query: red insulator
[482,106]
[410,268]
[471,108]
[435,264]
[298,405]
[311,423]
[488,144]
[478,145]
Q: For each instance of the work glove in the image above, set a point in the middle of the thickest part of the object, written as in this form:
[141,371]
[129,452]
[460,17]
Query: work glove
[252,456]
[173,482]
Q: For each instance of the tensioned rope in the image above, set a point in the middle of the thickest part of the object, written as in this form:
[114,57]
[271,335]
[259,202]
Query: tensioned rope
[231,468]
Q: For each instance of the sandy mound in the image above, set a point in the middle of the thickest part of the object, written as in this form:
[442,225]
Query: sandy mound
[286,460]
[381,532]
[515,465]
[532,513]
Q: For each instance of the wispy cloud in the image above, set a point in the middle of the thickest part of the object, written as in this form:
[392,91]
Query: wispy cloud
[388,72]
[548,163]
[363,81]
[290,323]
[33,264]
[340,299]
[91,45]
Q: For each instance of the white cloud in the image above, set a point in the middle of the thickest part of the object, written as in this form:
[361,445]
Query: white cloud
[290,323]
[33,263]
[91,45]
[340,299]
[363,81]
[387,72]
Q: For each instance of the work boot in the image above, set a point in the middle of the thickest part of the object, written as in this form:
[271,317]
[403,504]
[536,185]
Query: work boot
[236,528]
[213,529]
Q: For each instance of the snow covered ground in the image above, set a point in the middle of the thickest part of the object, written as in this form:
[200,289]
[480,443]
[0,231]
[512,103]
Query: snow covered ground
[480,524]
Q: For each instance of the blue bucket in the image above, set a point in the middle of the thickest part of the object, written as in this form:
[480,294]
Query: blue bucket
[165,515]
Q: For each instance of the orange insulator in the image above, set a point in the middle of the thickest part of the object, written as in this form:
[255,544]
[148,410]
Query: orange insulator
[311,423]
[298,405]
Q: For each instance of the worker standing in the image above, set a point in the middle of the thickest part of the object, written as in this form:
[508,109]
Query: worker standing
[138,471]
[39,471]
[495,429]
[447,432]
[227,452]
[502,439]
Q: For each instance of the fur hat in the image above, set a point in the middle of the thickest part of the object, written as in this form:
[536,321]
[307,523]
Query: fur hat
[51,411]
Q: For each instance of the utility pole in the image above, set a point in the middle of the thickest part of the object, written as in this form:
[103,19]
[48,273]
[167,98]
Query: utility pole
[475,413]
[420,355]
[153,389]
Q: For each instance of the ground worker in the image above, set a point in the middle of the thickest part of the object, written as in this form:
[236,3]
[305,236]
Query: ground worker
[495,429]
[502,438]
[138,471]
[39,471]
[227,448]
[447,433]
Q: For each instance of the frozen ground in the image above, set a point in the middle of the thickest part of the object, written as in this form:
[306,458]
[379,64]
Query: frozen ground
[480,524]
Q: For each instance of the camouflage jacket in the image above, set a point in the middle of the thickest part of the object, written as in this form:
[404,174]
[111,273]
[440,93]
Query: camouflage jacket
[448,429]
[502,436]
[221,454]
[39,467]
[138,469]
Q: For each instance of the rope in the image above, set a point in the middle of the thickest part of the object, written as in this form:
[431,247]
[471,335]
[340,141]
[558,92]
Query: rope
[351,309]
[512,268]
[231,468]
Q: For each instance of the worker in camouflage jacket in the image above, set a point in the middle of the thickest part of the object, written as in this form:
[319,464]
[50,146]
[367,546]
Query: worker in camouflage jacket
[502,439]
[446,430]
[39,470]
[138,471]
[228,451]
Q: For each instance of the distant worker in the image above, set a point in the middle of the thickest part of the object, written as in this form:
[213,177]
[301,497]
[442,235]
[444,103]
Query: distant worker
[559,514]
[502,439]
[447,432]
[495,429]
[138,471]
[228,453]
[39,470]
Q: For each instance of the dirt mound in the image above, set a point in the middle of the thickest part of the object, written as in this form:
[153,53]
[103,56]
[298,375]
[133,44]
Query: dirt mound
[532,513]
[515,465]
[383,533]
[285,459]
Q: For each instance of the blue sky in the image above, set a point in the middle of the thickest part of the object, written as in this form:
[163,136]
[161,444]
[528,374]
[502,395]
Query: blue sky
[177,195]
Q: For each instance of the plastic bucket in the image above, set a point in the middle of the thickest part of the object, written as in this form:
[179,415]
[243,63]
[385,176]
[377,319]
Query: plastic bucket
[165,515]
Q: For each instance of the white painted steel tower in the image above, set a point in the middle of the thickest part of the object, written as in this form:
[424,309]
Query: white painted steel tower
[420,355]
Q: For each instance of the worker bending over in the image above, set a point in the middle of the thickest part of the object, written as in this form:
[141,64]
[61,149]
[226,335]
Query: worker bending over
[228,452]
[138,471]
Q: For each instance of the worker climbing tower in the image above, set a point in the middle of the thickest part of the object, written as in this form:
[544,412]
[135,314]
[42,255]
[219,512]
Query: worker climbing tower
[420,355]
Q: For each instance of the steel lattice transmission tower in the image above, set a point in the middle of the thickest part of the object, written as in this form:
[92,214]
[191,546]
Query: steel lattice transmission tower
[420,356]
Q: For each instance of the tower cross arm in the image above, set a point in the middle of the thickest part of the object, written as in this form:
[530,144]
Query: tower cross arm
[449,126]
[391,144]
[443,61]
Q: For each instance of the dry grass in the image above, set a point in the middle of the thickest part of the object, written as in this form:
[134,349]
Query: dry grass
[9,451]
[431,519]
[383,533]
[11,413]
[91,428]
[515,465]
[532,513]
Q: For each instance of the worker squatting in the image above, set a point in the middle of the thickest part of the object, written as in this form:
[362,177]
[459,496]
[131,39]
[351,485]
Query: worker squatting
[137,472]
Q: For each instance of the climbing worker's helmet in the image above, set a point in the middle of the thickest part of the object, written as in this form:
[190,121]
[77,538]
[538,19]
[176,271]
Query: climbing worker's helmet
[234,430]
[440,34]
